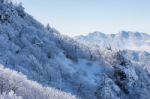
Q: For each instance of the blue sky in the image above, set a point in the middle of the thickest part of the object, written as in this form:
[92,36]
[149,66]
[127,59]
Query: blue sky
[76,17]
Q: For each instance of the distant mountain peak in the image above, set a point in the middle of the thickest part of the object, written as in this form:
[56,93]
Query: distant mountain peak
[98,34]
[122,40]
[124,34]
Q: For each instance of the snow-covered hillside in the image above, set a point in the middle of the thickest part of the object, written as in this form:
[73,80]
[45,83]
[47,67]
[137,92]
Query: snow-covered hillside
[135,45]
[15,85]
[44,55]
[138,57]
[123,40]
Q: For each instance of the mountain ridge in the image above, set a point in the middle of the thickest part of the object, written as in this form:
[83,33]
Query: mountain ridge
[122,40]
[52,59]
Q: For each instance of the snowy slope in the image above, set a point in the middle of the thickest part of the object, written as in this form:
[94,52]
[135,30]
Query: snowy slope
[44,55]
[123,40]
[135,45]
[139,57]
[17,86]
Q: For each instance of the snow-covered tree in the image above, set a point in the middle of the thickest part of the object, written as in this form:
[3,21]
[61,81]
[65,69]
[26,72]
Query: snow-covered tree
[9,95]
[59,61]
[20,10]
[15,85]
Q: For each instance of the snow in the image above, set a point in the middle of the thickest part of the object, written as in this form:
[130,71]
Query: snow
[122,40]
[17,86]
[54,60]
